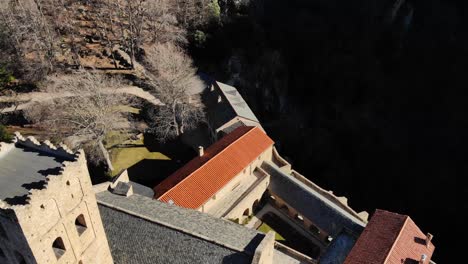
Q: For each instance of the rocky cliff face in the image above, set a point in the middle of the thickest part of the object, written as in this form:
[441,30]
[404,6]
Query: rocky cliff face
[363,98]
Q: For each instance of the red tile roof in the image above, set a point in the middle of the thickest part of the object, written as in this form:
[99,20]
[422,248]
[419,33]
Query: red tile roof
[192,185]
[390,238]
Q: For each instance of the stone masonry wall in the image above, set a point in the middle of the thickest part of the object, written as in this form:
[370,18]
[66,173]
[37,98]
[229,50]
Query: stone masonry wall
[266,155]
[64,215]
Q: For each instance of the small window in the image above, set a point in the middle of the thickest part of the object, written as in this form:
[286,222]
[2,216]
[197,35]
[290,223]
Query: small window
[2,254]
[80,224]
[235,186]
[58,247]
[314,229]
[300,218]
[214,197]
[328,239]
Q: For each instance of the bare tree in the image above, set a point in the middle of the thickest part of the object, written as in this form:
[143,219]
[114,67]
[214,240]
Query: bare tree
[33,37]
[86,110]
[173,80]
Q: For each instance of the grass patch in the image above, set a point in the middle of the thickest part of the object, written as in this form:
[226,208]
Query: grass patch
[125,152]
[265,228]
[124,158]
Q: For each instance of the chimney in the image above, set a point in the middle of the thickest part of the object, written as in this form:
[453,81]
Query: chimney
[201,151]
[423,259]
[428,239]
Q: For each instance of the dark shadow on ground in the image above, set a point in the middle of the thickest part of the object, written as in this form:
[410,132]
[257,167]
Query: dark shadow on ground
[293,239]
[152,172]
[174,149]
[236,258]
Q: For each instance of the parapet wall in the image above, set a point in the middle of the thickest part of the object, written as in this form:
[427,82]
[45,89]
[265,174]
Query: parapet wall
[46,146]
[5,147]
[341,201]
[51,213]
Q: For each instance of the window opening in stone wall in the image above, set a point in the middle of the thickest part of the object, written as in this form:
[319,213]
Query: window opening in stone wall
[314,229]
[80,224]
[3,232]
[235,186]
[2,254]
[58,247]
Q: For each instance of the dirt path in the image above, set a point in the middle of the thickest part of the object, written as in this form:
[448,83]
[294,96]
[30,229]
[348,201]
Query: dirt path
[25,100]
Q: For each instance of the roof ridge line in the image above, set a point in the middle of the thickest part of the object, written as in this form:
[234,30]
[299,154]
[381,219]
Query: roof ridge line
[396,239]
[231,103]
[232,143]
[170,226]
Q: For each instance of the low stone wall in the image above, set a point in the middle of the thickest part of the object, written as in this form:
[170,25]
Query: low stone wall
[340,201]
[295,254]
[246,201]
[5,148]
[61,151]
[51,213]
[264,251]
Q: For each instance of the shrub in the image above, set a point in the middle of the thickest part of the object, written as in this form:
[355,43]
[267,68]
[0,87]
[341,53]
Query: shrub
[5,77]
[4,135]
[199,38]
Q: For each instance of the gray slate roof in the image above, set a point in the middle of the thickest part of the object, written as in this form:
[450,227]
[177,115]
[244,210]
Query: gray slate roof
[137,241]
[236,101]
[311,204]
[218,231]
[339,249]
[24,169]
[142,190]
[231,106]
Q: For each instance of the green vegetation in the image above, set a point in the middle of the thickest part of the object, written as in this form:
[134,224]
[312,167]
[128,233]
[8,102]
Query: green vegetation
[5,77]
[215,9]
[247,219]
[265,228]
[125,152]
[5,136]
[199,38]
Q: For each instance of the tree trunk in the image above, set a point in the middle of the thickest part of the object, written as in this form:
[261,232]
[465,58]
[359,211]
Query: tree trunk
[105,153]
[174,117]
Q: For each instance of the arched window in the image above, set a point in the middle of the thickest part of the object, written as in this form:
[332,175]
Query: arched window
[80,224]
[255,206]
[246,212]
[58,247]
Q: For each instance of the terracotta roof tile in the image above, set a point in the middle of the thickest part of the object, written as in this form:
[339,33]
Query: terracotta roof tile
[390,238]
[192,185]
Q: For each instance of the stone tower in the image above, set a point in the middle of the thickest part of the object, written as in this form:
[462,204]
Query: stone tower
[48,211]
